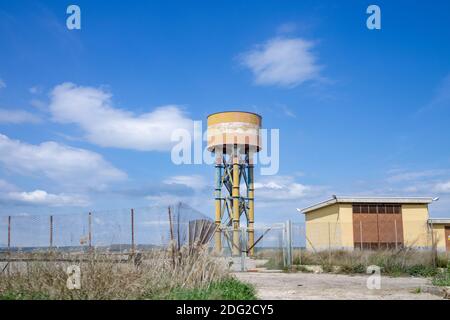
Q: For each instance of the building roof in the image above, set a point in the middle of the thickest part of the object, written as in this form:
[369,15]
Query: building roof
[350,199]
[439,221]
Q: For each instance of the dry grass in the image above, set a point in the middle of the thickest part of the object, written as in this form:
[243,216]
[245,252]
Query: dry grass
[155,276]
[391,261]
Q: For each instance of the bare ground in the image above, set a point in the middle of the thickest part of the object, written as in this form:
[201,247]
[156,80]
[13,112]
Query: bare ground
[323,286]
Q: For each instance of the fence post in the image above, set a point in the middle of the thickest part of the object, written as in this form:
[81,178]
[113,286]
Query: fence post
[433,246]
[90,230]
[300,257]
[132,231]
[288,243]
[51,231]
[9,233]
[243,249]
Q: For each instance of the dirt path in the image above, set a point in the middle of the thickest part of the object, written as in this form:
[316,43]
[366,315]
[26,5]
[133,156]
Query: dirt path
[307,286]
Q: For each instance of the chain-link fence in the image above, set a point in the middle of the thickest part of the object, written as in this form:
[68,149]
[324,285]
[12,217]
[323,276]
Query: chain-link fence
[281,245]
[275,246]
[113,230]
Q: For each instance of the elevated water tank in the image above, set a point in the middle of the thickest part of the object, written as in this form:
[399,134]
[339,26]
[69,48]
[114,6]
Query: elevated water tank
[234,128]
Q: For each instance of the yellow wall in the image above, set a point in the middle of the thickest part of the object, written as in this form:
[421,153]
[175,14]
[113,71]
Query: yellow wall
[439,236]
[321,231]
[346,223]
[415,225]
[332,227]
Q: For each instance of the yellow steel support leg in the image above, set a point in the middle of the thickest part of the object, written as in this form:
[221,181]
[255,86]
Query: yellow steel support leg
[218,203]
[235,195]
[251,207]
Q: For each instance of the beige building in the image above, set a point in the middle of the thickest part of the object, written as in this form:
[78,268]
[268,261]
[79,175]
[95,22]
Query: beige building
[374,222]
[441,233]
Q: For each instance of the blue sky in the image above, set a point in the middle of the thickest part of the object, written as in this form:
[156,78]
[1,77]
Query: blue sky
[360,112]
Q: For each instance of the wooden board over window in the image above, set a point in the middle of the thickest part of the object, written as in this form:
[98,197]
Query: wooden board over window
[377,225]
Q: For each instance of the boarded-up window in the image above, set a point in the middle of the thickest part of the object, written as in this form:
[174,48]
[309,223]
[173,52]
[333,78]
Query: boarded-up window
[377,226]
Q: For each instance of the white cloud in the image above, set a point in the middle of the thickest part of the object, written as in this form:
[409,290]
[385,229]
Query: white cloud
[443,187]
[2,84]
[91,109]
[6,186]
[285,62]
[195,182]
[35,90]
[39,104]
[283,188]
[404,176]
[166,199]
[41,197]
[17,116]
[61,163]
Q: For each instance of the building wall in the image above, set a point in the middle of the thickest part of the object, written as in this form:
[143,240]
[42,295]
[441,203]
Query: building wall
[322,232]
[346,224]
[415,225]
[439,236]
[332,227]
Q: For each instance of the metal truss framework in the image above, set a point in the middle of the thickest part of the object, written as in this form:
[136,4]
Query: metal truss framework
[234,198]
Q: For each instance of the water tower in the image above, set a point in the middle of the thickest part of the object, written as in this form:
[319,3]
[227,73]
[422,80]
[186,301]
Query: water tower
[234,138]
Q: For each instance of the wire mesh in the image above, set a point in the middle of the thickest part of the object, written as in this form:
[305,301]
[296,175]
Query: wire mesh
[71,232]
[3,232]
[111,230]
[156,226]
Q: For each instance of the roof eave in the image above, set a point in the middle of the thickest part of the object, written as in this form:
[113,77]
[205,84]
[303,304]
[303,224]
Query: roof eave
[402,200]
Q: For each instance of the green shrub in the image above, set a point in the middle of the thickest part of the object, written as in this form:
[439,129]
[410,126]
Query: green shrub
[442,279]
[351,269]
[230,289]
[422,271]
[302,268]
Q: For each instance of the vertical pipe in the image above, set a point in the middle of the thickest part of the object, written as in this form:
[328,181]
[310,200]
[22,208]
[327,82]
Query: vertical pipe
[235,195]
[251,204]
[90,230]
[9,233]
[132,231]
[218,202]
[51,232]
